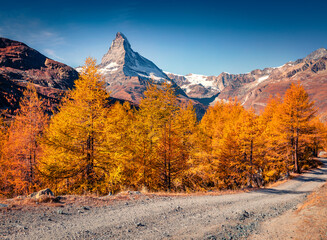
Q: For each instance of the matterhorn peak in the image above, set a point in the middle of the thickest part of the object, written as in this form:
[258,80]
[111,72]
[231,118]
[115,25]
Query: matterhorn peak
[121,41]
[119,35]
[127,73]
[117,51]
[122,59]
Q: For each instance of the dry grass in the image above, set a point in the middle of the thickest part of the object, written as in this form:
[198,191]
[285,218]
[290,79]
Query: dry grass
[316,199]
[312,216]
[20,203]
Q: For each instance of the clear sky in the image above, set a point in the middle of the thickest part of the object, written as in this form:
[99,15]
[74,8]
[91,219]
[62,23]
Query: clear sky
[203,37]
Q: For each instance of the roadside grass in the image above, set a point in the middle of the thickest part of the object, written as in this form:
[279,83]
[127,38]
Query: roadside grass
[312,216]
[127,195]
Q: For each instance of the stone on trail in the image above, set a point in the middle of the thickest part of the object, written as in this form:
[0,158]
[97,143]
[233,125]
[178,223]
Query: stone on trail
[45,192]
[244,215]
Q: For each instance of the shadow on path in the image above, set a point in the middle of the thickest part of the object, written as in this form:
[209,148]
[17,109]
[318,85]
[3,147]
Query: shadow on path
[280,192]
[309,179]
[315,175]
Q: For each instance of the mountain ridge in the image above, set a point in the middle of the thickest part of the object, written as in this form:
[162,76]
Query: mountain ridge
[20,65]
[127,75]
[254,89]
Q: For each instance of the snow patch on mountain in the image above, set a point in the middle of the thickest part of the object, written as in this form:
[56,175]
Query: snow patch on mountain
[195,85]
[111,67]
[203,80]
[261,79]
[198,79]
[246,98]
[167,73]
[144,68]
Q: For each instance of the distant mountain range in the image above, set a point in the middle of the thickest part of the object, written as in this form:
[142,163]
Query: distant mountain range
[127,74]
[253,89]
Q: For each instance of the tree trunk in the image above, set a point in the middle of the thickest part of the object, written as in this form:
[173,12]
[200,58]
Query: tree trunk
[296,156]
[169,157]
[251,162]
[89,162]
[144,164]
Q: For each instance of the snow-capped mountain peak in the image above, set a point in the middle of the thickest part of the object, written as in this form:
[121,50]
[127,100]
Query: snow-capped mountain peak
[122,59]
[196,85]
[199,79]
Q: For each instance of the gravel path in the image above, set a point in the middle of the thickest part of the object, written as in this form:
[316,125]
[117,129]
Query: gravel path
[233,216]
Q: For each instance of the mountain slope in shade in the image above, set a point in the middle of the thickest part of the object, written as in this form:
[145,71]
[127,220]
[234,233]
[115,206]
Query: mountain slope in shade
[20,64]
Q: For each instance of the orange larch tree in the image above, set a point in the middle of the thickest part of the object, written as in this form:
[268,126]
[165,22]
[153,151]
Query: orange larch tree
[22,151]
[296,112]
[74,159]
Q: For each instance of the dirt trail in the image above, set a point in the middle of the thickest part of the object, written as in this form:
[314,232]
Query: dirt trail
[308,222]
[233,216]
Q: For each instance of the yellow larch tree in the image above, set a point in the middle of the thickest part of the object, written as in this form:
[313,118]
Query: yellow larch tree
[118,146]
[318,138]
[251,145]
[159,146]
[296,112]
[74,159]
[274,157]
[222,149]
[184,146]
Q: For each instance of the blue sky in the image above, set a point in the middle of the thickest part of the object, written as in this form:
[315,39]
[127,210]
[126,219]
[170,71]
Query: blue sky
[203,37]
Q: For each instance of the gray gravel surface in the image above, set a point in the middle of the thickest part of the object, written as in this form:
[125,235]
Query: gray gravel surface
[233,216]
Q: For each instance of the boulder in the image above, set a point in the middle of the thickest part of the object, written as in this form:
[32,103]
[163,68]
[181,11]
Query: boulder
[42,193]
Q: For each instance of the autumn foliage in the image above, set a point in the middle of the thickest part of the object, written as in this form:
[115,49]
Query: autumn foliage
[90,145]
[20,146]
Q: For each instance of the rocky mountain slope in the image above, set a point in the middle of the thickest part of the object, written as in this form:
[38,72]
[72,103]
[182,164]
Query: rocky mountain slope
[254,89]
[310,71]
[20,64]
